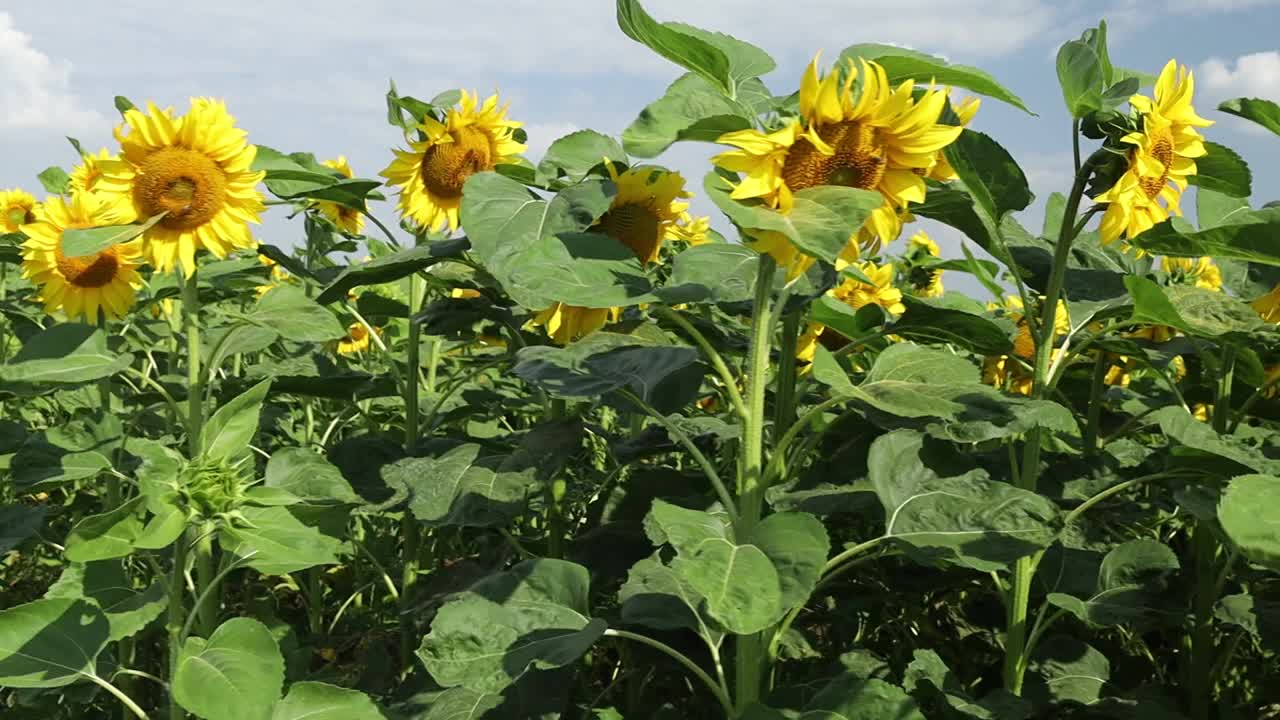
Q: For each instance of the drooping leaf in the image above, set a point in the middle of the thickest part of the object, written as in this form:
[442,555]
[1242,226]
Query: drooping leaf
[1264,112]
[1195,311]
[106,535]
[691,109]
[66,353]
[231,429]
[990,174]
[581,269]
[902,64]
[931,320]
[237,673]
[741,588]
[963,518]
[715,272]
[848,697]
[531,616]
[575,154]
[309,477]
[1198,438]
[50,643]
[1251,518]
[1260,618]
[17,523]
[1252,238]
[655,596]
[602,362]
[276,541]
[1064,668]
[288,311]
[79,242]
[389,268]
[1130,583]
[1223,170]
[683,528]
[690,51]
[321,701]
[128,609]
[797,545]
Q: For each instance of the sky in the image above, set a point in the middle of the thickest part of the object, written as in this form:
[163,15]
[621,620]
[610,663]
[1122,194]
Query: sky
[313,77]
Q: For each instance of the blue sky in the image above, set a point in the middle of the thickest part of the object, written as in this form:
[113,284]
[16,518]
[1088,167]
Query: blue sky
[313,79]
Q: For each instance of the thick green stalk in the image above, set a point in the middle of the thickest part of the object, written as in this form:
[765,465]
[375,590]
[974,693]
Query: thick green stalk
[784,411]
[751,657]
[556,491]
[195,383]
[1094,411]
[1024,569]
[206,583]
[176,619]
[410,530]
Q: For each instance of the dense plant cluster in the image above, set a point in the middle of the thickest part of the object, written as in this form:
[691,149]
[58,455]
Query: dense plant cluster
[554,447]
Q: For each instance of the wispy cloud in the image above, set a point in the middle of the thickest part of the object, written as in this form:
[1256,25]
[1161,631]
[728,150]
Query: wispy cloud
[36,91]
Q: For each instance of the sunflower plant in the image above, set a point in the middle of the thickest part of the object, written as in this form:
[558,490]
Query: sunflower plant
[551,445]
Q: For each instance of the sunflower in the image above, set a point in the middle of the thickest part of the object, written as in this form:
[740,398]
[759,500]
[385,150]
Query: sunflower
[942,170]
[926,281]
[1268,306]
[1200,271]
[194,168]
[647,210]
[79,285]
[279,276]
[85,176]
[883,139]
[357,339]
[1012,372]
[16,209]
[880,291]
[346,219]
[691,230]
[431,173]
[1161,160]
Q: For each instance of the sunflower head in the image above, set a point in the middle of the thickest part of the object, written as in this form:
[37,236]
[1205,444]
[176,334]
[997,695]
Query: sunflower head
[1007,373]
[196,170]
[17,208]
[1268,306]
[279,276]
[357,339]
[1160,158]
[346,219]
[566,323]
[85,176]
[858,131]
[1202,272]
[880,291]
[1024,345]
[646,210]
[472,138]
[79,285]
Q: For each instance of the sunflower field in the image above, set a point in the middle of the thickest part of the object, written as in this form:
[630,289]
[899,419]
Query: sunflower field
[553,446]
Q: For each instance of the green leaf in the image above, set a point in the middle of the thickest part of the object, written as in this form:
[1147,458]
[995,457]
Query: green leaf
[1067,669]
[932,320]
[1264,112]
[655,596]
[716,272]
[68,353]
[123,104]
[1251,237]
[41,465]
[954,206]
[50,643]
[820,223]
[600,363]
[683,528]
[531,616]
[1081,75]
[228,434]
[581,269]
[797,545]
[1223,170]
[106,535]
[746,61]
[990,174]
[459,703]
[321,701]
[79,242]
[1260,618]
[576,154]
[276,542]
[903,64]
[1251,518]
[389,268]
[309,477]
[691,109]
[1215,209]
[288,311]
[1198,438]
[236,674]
[106,584]
[848,697]
[964,518]
[17,523]
[162,529]
[1195,311]
[741,588]
[55,180]
[689,51]
[505,222]
[1130,584]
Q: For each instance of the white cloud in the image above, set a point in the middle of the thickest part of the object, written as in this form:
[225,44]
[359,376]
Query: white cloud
[1254,75]
[36,91]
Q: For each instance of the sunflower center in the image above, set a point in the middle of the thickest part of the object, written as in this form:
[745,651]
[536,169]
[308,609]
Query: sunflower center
[859,160]
[633,225]
[1162,150]
[88,271]
[446,167]
[357,333]
[188,185]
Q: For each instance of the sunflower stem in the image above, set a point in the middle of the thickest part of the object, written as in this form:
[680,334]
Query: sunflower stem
[751,654]
[410,531]
[195,384]
[176,620]
[784,411]
[1094,409]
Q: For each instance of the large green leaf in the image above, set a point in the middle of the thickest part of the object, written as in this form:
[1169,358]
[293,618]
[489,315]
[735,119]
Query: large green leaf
[932,320]
[692,109]
[739,584]
[683,528]
[288,311]
[1066,669]
[1222,169]
[67,353]
[459,703]
[106,535]
[581,269]
[848,697]
[990,174]
[1260,618]
[79,242]
[1264,112]
[128,608]
[531,616]
[1196,311]
[1081,75]
[902,64]
[17,523]
[235,674]
[1129,587]
[50,643]
[276,542]
[1251,518]
[392,267]
[963,518]
[655,596]
[227,435]
[716,272]
[688,50]
[576,154]
[797,545]
[602,362]
[1199,439]
[820,223]
[321,701]
[39,465]
[309,477]
[1251,238]
[1214,209]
